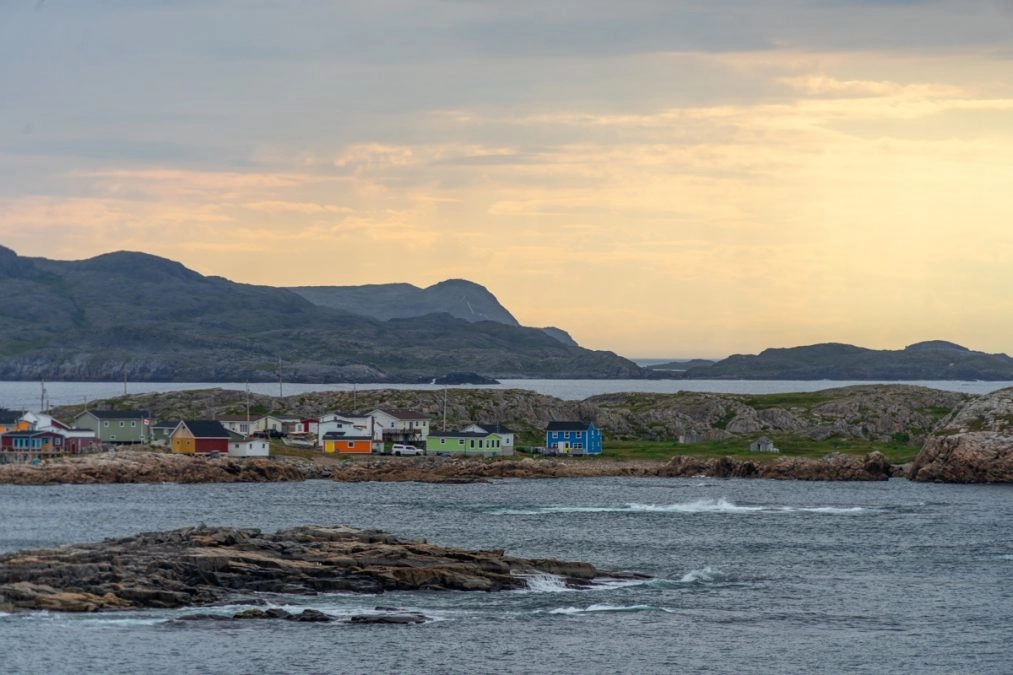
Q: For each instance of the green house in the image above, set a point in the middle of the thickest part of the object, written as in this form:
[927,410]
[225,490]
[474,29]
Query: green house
[116,426]
[464,443]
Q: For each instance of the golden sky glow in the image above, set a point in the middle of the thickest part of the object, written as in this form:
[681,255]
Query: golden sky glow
[672,187]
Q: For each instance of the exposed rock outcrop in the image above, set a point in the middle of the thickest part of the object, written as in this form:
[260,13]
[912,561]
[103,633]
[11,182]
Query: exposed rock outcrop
[204,565]
[975,445]
[137,466]
[836,466]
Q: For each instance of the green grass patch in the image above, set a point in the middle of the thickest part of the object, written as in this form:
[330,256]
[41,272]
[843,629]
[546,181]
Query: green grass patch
[805,400]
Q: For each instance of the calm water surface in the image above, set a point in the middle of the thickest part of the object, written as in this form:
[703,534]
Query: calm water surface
[29,395]
[747,576]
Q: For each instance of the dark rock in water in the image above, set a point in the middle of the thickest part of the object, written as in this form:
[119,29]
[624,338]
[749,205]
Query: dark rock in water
[404,618]
[310,615]
[201,566]
[205,617]
[257,613]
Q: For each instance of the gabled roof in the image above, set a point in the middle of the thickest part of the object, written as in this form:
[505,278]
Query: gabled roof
[461,434]
[206,428]
[568,426]
[338,436]
[32,433]
[494,428]
[165,424]
[403,414]
[10,416]
[117,414]
[235,418]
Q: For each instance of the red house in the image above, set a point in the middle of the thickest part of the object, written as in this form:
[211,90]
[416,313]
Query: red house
[200,437]
[32,441]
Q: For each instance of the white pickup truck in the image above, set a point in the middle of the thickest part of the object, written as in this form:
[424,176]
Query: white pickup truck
[402,449]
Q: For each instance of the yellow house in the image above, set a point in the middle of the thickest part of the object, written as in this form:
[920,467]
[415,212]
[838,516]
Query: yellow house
[355,445]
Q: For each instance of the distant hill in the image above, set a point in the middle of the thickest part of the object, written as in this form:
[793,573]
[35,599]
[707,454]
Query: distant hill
[932,360]
[144,318]
[457,297]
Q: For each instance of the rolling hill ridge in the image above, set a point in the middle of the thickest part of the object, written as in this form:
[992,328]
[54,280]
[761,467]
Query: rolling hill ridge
[128,315]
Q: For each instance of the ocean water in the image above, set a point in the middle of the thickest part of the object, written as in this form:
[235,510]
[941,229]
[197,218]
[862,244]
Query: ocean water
[39,395]
[746,576]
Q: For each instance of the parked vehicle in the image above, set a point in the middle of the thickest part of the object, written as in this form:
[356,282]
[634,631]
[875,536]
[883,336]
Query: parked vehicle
[402,449]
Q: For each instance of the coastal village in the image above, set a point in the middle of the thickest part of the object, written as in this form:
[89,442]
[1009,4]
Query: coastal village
[27,437]
[870,432]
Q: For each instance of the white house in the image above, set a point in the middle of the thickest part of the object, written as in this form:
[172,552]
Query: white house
[249,447]
[43,422]
[239,424]
[281,424]
[350,425]
[401,426]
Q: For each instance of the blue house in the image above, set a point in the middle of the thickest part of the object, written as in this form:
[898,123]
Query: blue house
[573,438]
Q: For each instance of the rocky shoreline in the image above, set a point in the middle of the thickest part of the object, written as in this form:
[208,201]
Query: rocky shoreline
[138,466]
[202,566]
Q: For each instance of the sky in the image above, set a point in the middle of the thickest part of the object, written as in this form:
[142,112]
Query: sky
[684,178]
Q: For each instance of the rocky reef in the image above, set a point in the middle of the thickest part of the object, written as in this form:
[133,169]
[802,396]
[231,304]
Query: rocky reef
[200,566]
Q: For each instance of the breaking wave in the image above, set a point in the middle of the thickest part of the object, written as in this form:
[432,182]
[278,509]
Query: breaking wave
[720,505]
[547,583]
[707,574]
[608,608]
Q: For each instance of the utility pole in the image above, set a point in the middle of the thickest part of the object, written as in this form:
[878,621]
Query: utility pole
[444,407]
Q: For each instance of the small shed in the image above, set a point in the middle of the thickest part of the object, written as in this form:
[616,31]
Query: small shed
[762,444]
[249,447]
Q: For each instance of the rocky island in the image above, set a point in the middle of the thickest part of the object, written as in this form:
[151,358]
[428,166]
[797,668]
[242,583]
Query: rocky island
[200,566]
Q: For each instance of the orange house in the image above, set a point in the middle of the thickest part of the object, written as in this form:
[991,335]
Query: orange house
[356,445]
[13,420]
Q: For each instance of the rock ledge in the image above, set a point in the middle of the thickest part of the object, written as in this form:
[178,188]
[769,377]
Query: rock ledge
[204,565]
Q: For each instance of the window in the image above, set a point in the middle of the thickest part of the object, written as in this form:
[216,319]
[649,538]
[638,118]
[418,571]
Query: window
[460,441]
[133,424]
[106,424]
[122,424]
[443,441]
[351,444]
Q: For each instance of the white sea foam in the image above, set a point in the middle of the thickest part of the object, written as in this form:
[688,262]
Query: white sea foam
[828,509]
[704,575]
[547,583]
[607,608]
[719,505]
